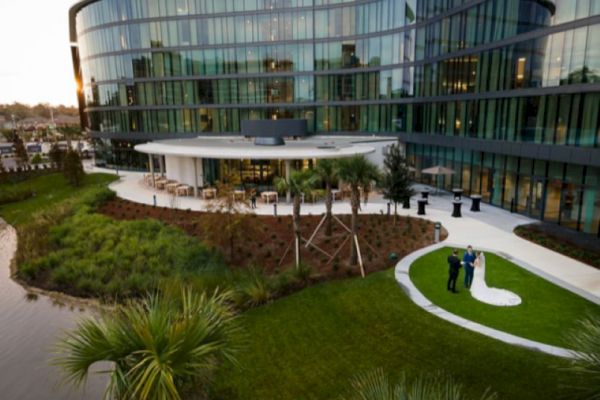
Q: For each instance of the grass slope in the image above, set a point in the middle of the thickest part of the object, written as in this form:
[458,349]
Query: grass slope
[308,345]
[49,190]
[546,313]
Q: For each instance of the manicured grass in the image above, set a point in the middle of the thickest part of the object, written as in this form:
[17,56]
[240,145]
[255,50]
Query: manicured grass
[49,190]
[308,346]
[546,313]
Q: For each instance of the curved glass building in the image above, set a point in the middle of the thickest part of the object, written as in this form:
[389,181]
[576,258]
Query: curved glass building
[504,92]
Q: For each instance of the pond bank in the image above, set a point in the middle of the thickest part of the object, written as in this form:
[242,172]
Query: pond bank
[30,325]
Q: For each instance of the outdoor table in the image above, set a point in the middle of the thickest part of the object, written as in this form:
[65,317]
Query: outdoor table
[267,195]
[456,210]
[171,187]
[183,190]
[425,196]
[457,193]
[476,200]
[335,193]
[209,192]
[160,183]
[421,203]
[239,193]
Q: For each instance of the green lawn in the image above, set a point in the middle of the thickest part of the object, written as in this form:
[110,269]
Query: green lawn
[49,190]
[308,345]
[546,313]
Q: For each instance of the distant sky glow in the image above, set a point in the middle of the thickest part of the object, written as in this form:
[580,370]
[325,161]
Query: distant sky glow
[35,58]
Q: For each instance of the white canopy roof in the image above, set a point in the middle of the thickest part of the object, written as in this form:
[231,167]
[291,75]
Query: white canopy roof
[238,148]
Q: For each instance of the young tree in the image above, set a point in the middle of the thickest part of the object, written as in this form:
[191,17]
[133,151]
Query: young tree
[20,151]
[158,346]
[356,171]
[72,168]
[395,181]
[326,171]
[227,220]
[300,182]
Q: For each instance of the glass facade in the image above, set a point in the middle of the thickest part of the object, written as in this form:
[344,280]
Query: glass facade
[552,191]
[522,71]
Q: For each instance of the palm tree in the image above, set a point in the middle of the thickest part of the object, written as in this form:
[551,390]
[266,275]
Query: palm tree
[299,183]
[376,385]
[356,171]
[157,346]
[586,364]
[326,170]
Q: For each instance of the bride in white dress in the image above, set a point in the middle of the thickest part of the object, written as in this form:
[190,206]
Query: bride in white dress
[485,294]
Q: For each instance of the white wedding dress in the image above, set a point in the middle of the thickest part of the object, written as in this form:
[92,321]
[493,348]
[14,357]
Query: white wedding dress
[480,290]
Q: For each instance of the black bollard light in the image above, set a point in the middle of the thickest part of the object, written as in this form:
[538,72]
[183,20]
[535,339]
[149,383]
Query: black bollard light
[154,200]
[389,207]
[275,209]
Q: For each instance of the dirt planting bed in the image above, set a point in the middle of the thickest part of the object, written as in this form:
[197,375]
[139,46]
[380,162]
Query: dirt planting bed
[263,240]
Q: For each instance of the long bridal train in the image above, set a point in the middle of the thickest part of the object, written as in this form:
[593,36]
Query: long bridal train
[480,290]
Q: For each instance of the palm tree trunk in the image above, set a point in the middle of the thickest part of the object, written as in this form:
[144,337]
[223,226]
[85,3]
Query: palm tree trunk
[355,202]
[296,223]
[328,205]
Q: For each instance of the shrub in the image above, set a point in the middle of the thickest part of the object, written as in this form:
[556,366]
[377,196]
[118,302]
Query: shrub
[11,195]
[126,258]
[257,292]
[376,385]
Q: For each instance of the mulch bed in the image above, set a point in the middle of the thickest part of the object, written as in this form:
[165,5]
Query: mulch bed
[265,238]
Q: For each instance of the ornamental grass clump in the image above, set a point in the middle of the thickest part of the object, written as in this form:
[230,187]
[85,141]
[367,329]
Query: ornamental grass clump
[376,385]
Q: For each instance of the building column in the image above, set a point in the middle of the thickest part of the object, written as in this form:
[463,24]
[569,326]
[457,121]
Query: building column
[161,163]
[195,177]
[288,167]
[151,165]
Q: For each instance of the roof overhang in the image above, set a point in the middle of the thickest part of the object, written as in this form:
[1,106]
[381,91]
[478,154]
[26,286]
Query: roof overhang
[239,148]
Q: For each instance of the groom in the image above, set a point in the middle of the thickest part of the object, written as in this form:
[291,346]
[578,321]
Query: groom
[453,268]
[468,262]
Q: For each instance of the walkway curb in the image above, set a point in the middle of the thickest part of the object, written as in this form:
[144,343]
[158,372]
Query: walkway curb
[402,276]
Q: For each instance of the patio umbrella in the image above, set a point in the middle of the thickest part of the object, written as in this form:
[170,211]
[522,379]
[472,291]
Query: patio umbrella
[437,171]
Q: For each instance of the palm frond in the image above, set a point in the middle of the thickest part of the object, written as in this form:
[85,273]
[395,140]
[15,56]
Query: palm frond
[156,345]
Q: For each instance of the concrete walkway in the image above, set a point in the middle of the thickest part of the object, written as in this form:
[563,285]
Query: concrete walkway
[403,278]
[492,228]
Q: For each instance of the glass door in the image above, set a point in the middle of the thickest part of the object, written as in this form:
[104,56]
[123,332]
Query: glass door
[536,204]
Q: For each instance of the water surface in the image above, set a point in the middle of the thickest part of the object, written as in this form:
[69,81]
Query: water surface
[29,328]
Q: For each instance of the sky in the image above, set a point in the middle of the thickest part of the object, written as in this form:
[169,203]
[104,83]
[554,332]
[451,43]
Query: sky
[35,57]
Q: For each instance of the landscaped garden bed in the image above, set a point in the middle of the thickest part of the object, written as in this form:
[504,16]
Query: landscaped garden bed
[264,239]
[536,234]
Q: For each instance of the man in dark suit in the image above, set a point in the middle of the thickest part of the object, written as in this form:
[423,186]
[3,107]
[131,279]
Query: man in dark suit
[454,266]
[469,263]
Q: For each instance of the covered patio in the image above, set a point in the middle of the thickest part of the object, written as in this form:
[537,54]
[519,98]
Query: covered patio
[192,167]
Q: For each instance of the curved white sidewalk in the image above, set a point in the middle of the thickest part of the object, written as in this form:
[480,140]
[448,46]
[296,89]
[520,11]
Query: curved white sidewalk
[402,276]
[492,228]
